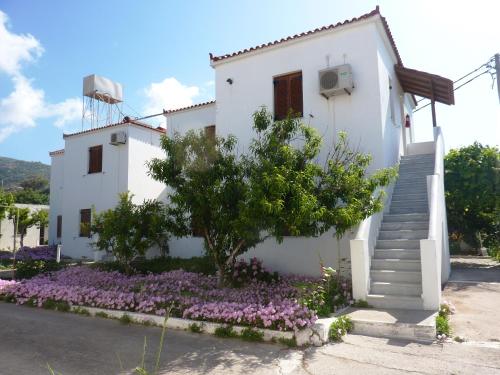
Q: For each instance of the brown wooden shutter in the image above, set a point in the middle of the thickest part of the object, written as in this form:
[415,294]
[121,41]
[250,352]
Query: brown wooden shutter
[288,95]
[59,226]
[41,239]
[280,97]
[95,159]
[210,132]
[85,216]
[296,94]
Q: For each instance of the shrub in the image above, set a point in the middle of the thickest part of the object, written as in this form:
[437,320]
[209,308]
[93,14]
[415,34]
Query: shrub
[327,294]
[30,268]
[101,314]
[195,328]
[225,331]
[340,327]
[250,334]
[442,325]
[242,273]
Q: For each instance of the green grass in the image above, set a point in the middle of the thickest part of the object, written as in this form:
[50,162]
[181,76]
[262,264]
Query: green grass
[101,314]
[291,343]
[443,325]
[125,319]
[250,334]
[361,303]
[195,328]
[81,311]
[56,305]
[225,331]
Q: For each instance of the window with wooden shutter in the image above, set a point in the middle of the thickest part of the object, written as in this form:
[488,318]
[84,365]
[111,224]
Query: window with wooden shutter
[59,226]
[41,239]
[85,216]
[210,132]
[196,229]
[95,159]
[288,95]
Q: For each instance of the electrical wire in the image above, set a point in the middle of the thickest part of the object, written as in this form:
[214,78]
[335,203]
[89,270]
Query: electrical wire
[486,65]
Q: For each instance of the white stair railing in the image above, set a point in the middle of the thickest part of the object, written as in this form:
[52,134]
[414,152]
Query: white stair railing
[362,248]
[434,250]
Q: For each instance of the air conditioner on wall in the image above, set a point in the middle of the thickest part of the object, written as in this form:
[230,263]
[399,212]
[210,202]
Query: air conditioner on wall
[335,81]
[118,138]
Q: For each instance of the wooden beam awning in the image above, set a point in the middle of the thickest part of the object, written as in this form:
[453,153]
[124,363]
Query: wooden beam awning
[426,85]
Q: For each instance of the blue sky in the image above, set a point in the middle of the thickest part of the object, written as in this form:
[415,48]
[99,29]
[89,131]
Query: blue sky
[159,51]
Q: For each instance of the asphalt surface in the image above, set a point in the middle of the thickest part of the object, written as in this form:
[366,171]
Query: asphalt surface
[33,338]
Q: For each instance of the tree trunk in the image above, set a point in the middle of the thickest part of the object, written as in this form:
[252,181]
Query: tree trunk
[21,241]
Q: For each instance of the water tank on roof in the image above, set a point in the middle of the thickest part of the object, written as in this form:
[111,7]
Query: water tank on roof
[102,89]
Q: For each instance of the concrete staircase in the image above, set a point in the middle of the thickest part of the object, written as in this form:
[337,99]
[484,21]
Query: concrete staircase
[395,274]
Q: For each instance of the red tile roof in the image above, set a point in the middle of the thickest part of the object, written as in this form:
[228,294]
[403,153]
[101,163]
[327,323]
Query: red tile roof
[168,111]
[56,152]
[375,12]
[126,120]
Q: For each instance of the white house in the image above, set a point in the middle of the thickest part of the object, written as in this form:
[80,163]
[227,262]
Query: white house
[34,235]
[348,76]
[90,173]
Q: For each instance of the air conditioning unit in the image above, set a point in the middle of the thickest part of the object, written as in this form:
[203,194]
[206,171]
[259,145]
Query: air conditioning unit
[335,81]
[118,138]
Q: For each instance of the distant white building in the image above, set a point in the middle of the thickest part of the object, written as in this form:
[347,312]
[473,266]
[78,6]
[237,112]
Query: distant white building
[34,235]
[91,171]
[343,77]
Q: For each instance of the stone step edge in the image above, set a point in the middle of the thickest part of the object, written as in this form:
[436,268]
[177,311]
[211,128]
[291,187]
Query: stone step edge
[363,328]
[316,335]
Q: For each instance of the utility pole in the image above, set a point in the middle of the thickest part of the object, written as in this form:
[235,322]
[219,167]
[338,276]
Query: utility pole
[497,68]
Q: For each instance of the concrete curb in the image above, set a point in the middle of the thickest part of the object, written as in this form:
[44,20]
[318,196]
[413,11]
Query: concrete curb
[316,335]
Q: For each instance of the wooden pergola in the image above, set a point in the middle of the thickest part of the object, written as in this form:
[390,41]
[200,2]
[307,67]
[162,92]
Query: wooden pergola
[426,85]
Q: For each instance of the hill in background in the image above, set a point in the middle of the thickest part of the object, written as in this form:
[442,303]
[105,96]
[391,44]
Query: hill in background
[13,172]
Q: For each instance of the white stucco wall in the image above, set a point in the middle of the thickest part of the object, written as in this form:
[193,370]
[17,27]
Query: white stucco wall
[363,115]
[56,196]
[143,146]
[192,118]
[32,237]
[123,169]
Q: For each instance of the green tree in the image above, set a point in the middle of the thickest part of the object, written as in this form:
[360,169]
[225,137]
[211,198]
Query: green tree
[472,194]
[277,189]
[24,219]
[129,230]
[6,202]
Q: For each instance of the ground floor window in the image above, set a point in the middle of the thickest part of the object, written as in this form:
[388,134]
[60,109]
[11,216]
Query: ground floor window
[85,215]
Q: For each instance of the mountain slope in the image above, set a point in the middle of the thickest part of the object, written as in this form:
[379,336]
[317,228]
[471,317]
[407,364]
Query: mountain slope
[13,172]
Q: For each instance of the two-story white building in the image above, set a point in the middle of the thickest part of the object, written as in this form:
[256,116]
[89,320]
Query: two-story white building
[91,171]
[344,77]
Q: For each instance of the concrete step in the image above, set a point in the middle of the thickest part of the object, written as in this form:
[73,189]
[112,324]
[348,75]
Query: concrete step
[418,157]
[388,301]
[389,218]
[402,196]
[413,254]
[396,276]
[409,203]
[402,289]
[401,225]
[407,234]
[414,325]
[398,244]
[396,265]
[408,210]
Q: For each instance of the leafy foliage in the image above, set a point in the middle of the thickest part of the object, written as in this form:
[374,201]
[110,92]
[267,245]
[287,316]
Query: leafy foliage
[25,219]
[243,272]
[275,190]
[14,172]
[472,194]
[26,269]
[129,230]
[250,334]
[225,331]
[340,327]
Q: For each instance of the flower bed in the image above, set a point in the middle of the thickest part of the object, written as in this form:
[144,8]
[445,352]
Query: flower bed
[31,253]
[272,305]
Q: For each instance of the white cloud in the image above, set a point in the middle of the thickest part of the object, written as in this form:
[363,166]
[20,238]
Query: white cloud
[26,104]
[169,94]
[65,112]
[14,49]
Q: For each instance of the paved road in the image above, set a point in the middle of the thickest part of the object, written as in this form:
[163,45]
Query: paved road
[72,344]
[474,289]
